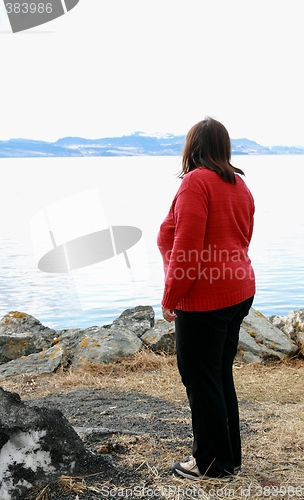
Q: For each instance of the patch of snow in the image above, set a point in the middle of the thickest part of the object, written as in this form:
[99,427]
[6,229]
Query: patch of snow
[24,449]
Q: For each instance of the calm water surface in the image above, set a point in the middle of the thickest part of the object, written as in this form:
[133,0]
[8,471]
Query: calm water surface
[62,195]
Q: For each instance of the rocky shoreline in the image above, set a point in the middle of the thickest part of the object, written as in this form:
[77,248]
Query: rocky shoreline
[49,440]
[27,346]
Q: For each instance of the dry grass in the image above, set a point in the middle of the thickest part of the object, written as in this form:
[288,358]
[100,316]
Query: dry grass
[271,407]
[152,373]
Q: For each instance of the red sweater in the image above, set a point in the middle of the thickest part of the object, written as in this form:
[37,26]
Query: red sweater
[204,243]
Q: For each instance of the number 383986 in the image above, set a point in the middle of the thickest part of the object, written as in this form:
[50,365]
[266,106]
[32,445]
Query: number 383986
[28,8]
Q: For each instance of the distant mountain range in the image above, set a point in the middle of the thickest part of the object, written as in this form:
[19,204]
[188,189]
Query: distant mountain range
[136,144]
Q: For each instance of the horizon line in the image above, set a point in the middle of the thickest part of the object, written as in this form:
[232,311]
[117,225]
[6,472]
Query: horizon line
[139,133]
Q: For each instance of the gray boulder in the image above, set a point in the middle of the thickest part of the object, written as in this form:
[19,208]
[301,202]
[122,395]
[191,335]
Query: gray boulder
[267,341]
[251,351]
[294,326]
[46,361]
[278,321]
[104,344]
[160,338]
[138,320]
[36,446]
[248,350]
[21,334]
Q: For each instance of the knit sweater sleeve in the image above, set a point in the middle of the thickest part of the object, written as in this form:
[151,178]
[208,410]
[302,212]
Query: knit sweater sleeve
[189,212]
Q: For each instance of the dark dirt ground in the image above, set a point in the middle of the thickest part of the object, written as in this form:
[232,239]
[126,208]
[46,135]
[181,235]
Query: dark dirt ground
[139,437]
[144,426]
[136,415]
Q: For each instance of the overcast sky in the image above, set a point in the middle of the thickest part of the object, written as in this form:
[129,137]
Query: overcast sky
[112,67]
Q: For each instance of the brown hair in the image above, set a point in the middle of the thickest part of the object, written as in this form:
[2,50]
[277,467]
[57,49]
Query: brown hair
[208,145]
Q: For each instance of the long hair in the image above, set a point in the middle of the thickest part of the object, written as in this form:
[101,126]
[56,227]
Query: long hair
[208,145]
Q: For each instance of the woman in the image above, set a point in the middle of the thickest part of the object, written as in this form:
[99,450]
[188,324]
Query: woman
[209,289]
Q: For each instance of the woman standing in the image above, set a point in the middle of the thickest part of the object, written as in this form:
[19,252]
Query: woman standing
[209,289]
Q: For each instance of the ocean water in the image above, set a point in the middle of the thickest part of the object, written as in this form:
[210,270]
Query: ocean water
[46,203]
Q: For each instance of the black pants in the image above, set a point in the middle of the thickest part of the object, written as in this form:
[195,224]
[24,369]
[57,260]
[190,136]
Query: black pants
[206,344]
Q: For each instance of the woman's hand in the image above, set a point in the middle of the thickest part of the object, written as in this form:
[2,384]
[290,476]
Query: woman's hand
[168,314]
